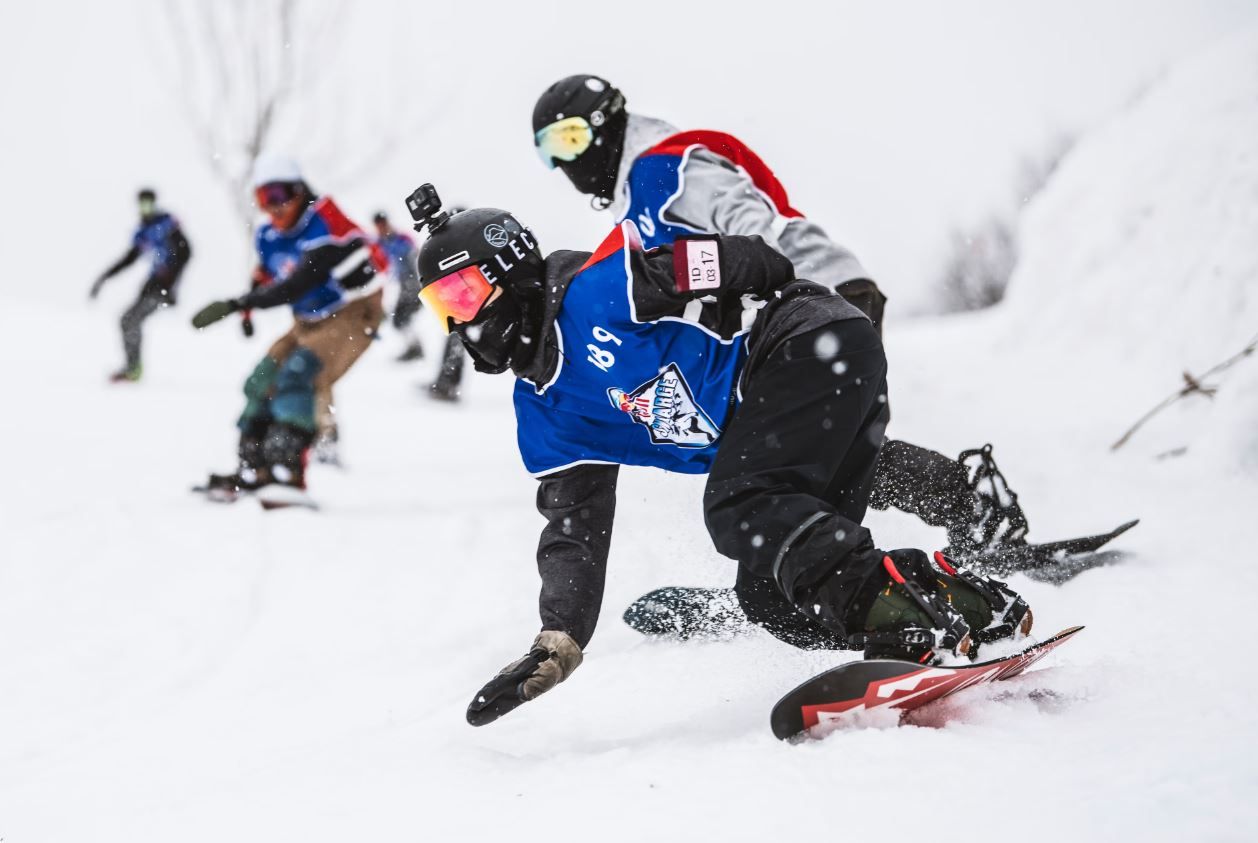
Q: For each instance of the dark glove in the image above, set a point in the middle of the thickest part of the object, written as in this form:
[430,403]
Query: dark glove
[213,312]
[246,324]
[553,658]
[95,291]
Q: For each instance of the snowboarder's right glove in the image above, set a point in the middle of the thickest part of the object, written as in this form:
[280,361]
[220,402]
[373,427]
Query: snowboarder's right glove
[246,324]
[95,291]
[214,311]
[553,658]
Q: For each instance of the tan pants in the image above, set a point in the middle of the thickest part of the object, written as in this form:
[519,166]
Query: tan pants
[337,341]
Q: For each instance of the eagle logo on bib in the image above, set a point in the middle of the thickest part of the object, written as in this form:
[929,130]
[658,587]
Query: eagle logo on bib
[666,407]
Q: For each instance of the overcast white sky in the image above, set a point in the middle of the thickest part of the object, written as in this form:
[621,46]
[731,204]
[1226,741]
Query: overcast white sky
[886,122]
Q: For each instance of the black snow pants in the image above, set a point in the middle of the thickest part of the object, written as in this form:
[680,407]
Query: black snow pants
[451,374]
[158,292]
[791,482]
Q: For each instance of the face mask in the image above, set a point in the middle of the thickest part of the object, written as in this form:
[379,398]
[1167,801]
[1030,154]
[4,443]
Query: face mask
[594,171]
[491,340]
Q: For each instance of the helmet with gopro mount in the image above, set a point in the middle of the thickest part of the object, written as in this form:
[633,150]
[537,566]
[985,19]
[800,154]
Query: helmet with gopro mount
[479,273]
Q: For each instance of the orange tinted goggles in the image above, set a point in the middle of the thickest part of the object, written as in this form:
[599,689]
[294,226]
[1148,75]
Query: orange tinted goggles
[458,296]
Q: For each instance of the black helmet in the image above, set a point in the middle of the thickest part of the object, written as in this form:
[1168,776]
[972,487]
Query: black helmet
[489,238]
[579,126]
[467,258]
[146,194]
[379,217]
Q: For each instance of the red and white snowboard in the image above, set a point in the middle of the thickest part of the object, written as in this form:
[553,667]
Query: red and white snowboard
[883,691]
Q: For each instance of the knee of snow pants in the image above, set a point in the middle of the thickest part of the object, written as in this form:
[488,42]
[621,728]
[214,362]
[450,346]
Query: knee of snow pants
[293,399]
[257,389]
[791,479]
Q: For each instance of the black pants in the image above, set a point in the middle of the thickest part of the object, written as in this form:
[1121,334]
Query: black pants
[157,292]
[792,479]
[452,363]
[407,302]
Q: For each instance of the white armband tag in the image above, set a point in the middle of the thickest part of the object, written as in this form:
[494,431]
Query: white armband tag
[696,265]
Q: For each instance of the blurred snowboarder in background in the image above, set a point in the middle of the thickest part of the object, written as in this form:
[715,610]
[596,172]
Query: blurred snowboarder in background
[672,184]
[653,358]
[312,257]
[161,238]
[399,248]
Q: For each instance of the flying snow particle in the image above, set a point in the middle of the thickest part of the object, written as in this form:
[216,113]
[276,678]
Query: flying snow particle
[839,367]
[826,346]
[757,540]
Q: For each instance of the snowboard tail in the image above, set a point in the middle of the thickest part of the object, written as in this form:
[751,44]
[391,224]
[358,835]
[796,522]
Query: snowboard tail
[848,694]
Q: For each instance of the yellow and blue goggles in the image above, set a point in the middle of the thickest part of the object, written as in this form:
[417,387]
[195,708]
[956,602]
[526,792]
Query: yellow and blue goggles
[563,140]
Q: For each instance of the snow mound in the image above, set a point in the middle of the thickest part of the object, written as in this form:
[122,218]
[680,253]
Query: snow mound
[1142,251]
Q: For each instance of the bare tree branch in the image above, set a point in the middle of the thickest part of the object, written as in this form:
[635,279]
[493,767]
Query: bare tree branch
[1192,386]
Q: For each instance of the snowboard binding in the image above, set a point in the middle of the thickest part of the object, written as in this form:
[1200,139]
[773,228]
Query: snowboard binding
[1011,615]
[998,521]
[949,633]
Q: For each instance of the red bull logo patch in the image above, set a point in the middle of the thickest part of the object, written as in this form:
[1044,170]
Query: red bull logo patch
[666,407]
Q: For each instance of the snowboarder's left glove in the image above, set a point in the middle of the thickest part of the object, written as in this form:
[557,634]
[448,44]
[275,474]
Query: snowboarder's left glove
[214,311]
[553,658]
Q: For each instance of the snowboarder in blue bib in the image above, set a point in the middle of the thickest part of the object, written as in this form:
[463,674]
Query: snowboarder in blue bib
[629,356]
[160,237]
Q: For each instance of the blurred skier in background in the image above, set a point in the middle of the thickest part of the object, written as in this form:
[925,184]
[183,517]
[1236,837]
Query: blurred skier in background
[672,184]
[400,248]
[161,238]
[652,358]
[314,258]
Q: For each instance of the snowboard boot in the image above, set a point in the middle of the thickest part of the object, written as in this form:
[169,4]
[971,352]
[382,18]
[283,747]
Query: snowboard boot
[285,450]
[229,488]
[997,521]
[414,351]
[921,615]
[326,447]
[127,374]
[444,392]
[925,614]
[1011,616]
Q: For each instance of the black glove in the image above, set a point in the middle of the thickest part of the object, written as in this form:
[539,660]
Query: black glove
[95,291]
[214,311]
[246,325]
[553,658]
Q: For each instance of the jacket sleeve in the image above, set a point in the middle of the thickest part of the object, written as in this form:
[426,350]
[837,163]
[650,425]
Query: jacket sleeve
[719,269]
[579,505]
[132,255]
[179,245]
[313,269]
[717,196]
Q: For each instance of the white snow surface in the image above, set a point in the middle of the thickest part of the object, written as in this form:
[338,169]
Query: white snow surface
[175,670]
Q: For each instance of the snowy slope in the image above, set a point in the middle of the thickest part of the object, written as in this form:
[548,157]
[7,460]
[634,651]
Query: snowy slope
[174,671]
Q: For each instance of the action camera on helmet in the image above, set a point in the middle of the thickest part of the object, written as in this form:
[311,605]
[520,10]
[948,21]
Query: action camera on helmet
[425,207]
